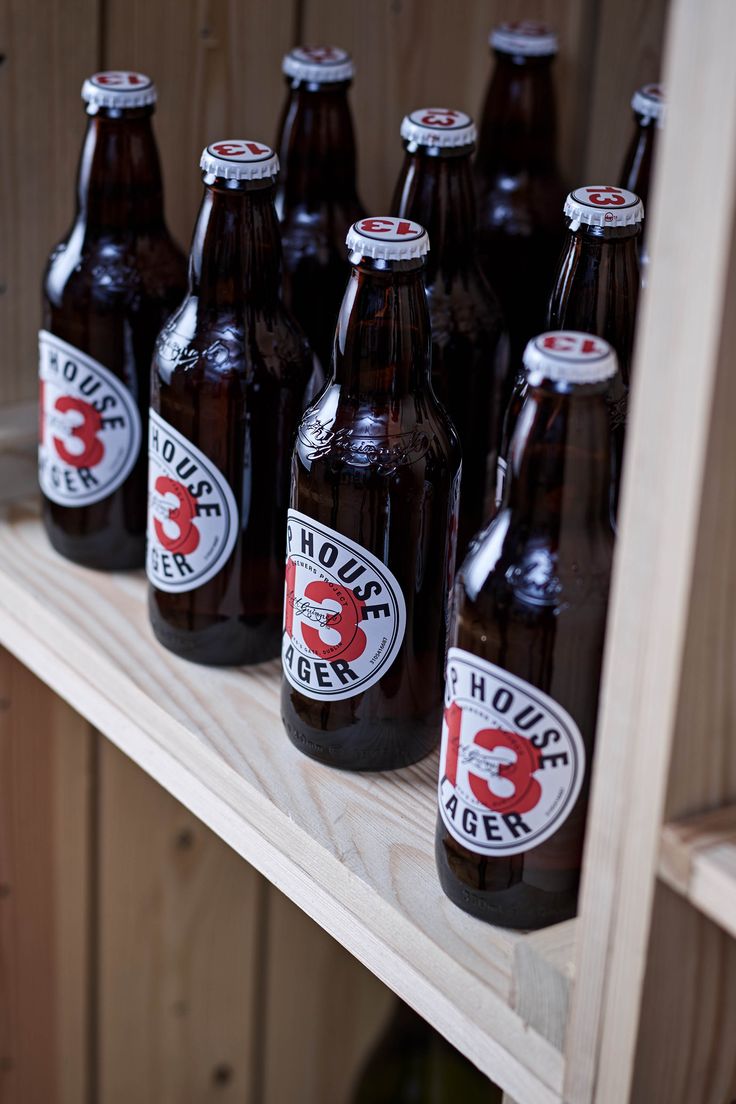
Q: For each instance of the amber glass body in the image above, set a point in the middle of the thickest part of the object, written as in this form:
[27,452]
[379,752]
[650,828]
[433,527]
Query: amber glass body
[317,201]
[636,174]
[108,288]
[413,1064]
[470,356]
[399,506]
[230,373]
[597,290]
[532,597]
[520,192]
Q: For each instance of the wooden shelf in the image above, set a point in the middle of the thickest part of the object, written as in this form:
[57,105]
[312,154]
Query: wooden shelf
[353,851]
[698,860]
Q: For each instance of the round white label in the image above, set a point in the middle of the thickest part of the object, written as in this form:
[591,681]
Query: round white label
[121,80]
[90,428]
[242,150]
[192,513]
[512,760]
[433,117]
[389,229]
[604,195]
[344,613]
[320,55]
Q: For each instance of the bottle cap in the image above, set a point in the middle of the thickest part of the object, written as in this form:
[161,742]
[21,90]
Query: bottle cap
[119,88]
[439,127]
[318,64]
[527,37]
[603,205]
[571,357]
[387,238]
[239,159]
[649,101]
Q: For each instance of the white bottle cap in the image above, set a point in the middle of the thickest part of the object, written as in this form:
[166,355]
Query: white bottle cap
[603,205]
[239,159]
[387,238]
[119,88]
[571,357]
[650,102]
[318,64]
[440,127]
[526,37]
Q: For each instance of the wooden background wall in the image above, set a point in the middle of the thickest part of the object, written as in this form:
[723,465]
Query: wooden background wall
[107,995]
[217,64]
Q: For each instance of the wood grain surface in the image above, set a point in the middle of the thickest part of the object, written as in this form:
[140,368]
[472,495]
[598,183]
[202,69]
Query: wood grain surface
[355,852]
[47,48]
[180,931]
[45,886]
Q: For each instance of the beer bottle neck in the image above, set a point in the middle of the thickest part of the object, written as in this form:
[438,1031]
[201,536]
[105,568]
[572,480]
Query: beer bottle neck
[436,190]
[638,165]
[518,131]
[382,344]
[236,249]
[119,185]
[560,472]
[317,148]
[597,287]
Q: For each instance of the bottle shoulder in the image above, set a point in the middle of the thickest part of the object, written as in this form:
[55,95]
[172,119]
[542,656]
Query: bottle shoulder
[343,433]
[518,568]
[201,345]
[106,269]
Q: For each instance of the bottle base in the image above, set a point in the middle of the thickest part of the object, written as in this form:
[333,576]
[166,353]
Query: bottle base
[521,906]
[97,552]
[225,644]
[377,745]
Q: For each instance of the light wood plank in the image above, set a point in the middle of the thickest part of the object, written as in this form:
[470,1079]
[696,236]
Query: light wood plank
[179,949]
[628,54]
[45,922]
[322,1008]
[355,852]
[543,977]
[49,48]
[419,53]
[217,65]
[650,618]
[686,844]
[685,1049]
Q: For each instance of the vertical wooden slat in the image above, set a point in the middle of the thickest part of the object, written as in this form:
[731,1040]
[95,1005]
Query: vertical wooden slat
[628,54]
[217,65]
[180,929]
[414,53]
[682,374]
[44,897]
[48,47]
[685,1049]
[323,1011]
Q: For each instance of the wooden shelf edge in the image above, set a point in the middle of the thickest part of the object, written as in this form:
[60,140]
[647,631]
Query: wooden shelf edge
[698,860]
[498,1031]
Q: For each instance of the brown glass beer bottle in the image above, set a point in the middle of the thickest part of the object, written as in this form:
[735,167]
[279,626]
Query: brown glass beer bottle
[517,180]
[413,1064]
[230,373]
[526,647]
[316,196]
[598,280]
[469,339]
[648,105]
[107,290]
[372,524]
